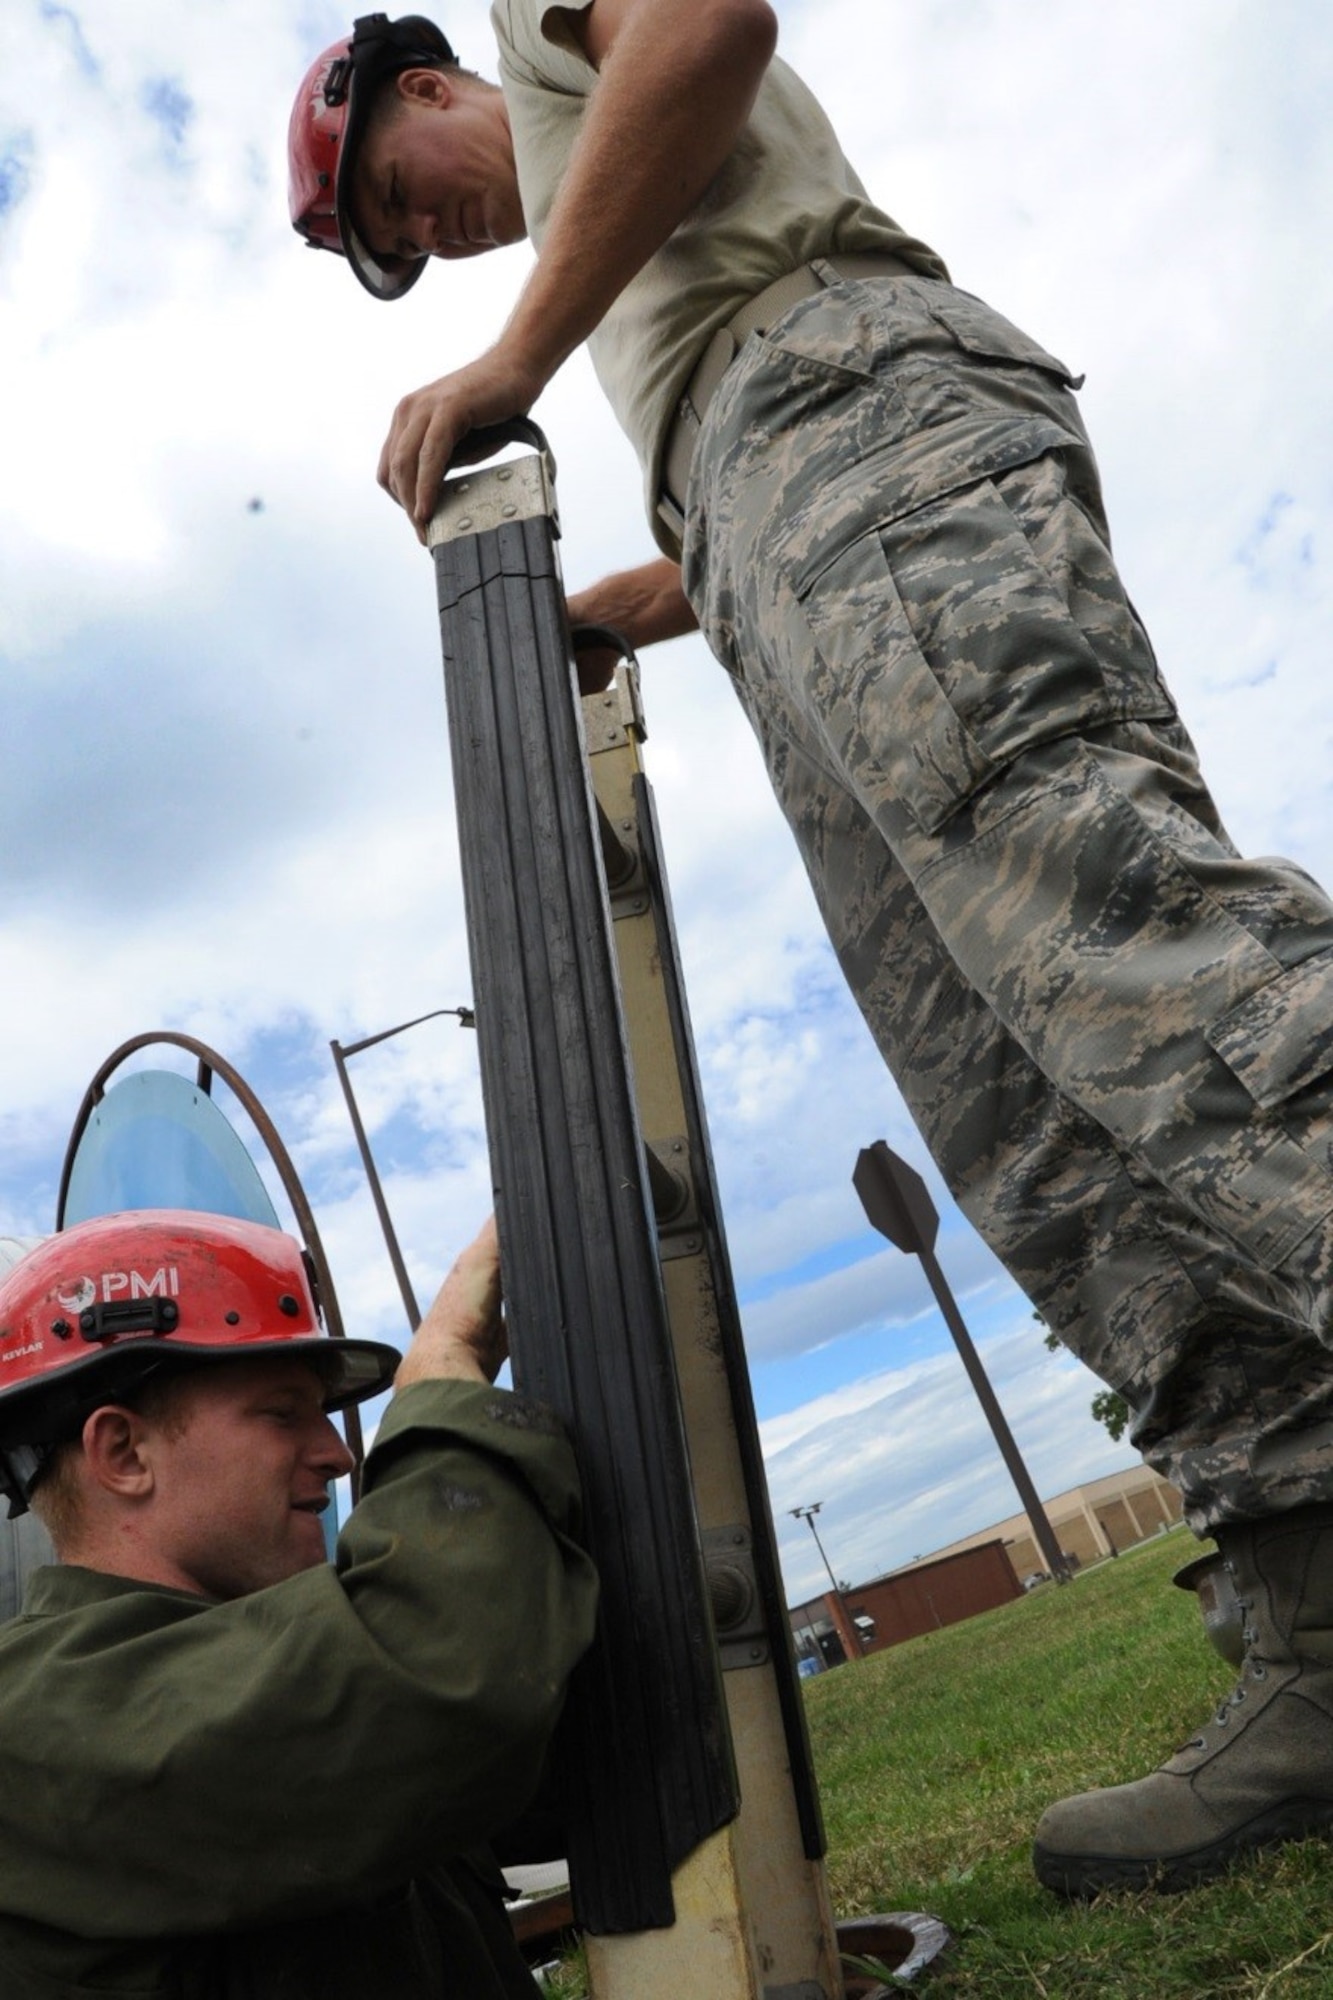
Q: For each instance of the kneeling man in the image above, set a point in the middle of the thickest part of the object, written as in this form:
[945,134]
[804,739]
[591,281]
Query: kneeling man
[231,1767]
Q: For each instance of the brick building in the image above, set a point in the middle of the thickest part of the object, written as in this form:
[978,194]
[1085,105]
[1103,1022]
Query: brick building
[983,1570]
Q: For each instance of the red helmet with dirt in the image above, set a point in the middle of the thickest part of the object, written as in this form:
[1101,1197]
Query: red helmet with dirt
[90,1314]
[329,120]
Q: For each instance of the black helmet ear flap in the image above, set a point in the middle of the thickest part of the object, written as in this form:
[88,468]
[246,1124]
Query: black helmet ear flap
[312,1278]
[21,1466]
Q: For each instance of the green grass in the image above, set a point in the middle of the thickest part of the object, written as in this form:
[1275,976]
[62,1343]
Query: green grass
[936,1758]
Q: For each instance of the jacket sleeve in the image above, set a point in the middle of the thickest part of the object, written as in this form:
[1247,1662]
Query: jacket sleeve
[174,1767]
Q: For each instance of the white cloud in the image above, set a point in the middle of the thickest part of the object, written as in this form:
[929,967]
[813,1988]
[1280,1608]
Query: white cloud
[903,1462]
[227,805]
[877,1291]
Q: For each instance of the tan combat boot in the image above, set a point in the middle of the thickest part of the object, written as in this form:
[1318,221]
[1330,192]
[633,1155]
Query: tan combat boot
[1260,1771]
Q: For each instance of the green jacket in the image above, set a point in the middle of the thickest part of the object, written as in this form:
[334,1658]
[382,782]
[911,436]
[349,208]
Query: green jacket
[273,1799]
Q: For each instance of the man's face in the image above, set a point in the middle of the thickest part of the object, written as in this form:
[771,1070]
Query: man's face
[436,177]
[241,1475]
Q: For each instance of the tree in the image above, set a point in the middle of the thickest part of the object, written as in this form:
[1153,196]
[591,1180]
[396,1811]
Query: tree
[1111,1409]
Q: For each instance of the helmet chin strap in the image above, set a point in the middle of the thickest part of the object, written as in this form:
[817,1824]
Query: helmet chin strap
[21,1466]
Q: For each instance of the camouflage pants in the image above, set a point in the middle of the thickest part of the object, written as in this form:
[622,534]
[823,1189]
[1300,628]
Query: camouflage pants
[1115,1034]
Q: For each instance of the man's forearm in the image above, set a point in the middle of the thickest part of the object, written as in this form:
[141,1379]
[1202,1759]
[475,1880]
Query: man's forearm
[461,1338]
[644,605]
[677,80]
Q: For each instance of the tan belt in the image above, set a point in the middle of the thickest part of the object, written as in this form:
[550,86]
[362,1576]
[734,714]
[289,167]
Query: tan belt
[755,316]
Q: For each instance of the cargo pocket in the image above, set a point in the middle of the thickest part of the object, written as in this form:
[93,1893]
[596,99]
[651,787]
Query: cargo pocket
[980,365]
[1280,1040]
[988,336]
[1278,1044]
[946,650]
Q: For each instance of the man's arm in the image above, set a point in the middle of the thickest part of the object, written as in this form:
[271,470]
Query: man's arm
[676,80]
[644,605]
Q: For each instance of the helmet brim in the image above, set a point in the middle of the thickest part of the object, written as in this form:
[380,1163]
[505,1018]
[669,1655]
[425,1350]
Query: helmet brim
[50,1413]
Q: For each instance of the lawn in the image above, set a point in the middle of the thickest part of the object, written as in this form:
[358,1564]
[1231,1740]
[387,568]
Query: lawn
[936,1758]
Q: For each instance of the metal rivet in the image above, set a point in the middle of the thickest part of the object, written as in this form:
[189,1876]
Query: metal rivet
[233,1319]
[509,511]
[61,1328]
[466,521]
[287,1304]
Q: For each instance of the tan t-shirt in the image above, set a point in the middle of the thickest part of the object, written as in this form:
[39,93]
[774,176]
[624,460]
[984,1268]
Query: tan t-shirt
[785,195]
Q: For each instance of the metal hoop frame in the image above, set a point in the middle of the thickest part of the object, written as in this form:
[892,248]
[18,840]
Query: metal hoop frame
[211,1064]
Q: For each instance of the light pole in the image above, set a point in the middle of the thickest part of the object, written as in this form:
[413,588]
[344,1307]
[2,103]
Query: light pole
[466,1019]
[846,1623]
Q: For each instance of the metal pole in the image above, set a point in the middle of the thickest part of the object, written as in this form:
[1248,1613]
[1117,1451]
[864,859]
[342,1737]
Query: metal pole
[898,1203]
[807,1514]
[995,1417]
[406,1292]
[466,1019]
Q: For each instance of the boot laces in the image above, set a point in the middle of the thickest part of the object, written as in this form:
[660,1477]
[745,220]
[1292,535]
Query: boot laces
[1251,1667]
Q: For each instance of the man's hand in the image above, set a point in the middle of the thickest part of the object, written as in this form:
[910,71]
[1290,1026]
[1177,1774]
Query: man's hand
[429,424]
[462,1337]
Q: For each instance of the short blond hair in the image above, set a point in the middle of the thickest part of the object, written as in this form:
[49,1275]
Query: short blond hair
[57,1500]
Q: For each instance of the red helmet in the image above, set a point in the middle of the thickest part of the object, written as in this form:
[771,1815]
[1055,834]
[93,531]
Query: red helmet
[328,124]
[94,1310]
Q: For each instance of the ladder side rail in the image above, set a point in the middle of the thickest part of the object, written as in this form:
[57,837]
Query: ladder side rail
[644,1746]
[764,1545]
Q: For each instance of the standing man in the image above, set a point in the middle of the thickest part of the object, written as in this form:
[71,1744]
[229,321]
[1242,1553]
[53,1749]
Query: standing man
[1115,1035]
[234,1771]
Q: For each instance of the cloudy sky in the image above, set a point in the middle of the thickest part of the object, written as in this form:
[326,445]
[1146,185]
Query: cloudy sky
[226,805]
